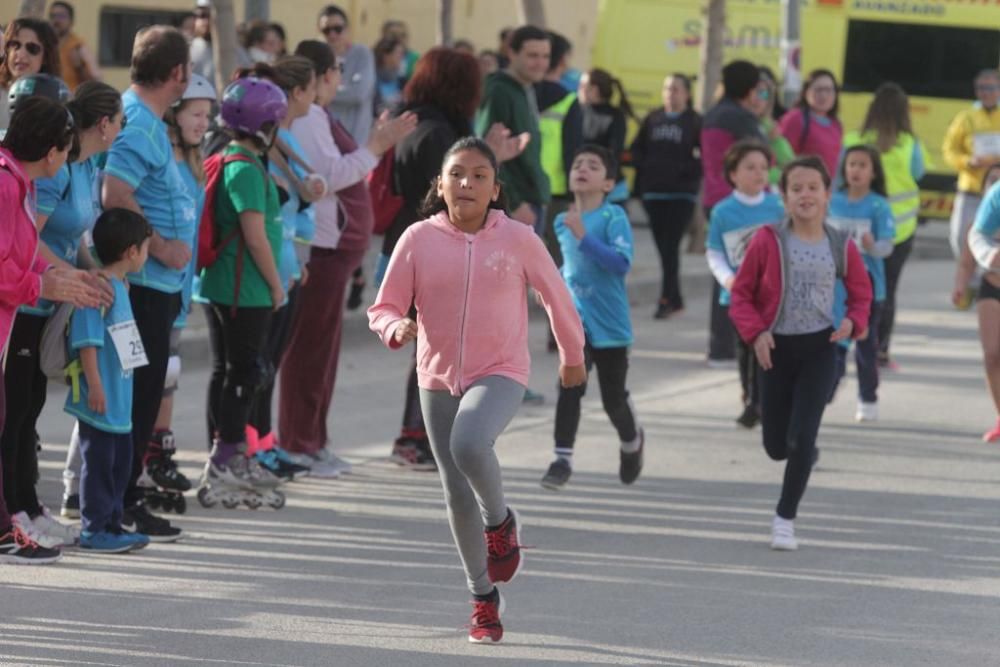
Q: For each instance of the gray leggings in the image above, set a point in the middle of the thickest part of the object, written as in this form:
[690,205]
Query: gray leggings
[462,431]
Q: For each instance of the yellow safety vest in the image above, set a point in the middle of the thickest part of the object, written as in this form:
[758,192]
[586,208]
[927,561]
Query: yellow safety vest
[550,125]
[974,132]
[904,194]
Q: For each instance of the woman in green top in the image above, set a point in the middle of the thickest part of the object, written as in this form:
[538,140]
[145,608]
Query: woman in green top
[243,288]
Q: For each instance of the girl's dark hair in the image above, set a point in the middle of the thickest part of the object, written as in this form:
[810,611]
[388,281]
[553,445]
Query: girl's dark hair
[92,101]
[433,203]
[740,150]
[888,116]
[446,79]
[606,85]
[686,82]
[602,154]
[777,108]
[807,162]
[384,48]
[50,47]
[257,32]
[319,53]
[37,126]
[291,72]
[810,80]
[117,230]
[878,172]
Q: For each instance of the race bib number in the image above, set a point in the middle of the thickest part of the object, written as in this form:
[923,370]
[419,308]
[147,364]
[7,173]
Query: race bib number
[855,227]
[985,144]
[128,344]
[736,243]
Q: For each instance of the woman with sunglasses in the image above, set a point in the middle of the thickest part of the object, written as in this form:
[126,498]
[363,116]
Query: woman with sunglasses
[35,146]
[66,208]
[30,47]
[812,127]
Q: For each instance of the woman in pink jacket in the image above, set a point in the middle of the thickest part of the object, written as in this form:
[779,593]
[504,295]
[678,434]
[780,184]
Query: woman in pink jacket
[467,269]
[782,304]
[35,146]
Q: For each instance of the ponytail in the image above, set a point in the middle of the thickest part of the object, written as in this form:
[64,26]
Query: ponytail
[623,102]
[606,85]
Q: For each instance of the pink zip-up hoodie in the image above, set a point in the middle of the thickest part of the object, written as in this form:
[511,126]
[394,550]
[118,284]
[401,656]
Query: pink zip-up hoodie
[471,295]
[21,267]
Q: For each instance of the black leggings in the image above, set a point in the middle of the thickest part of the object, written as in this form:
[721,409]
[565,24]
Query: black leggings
[749,374]
[612,370]
[270,362]
[669,220]
[237,339]
[25,389]
[793,395]
[155,313]
[893,269]
[721,332]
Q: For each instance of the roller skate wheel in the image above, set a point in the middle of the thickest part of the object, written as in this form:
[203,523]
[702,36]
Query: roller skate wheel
[180,505]
[230,503]
[252,502]
[205,497]
[277,501]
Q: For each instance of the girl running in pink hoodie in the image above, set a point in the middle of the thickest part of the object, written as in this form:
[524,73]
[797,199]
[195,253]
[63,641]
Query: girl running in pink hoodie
[467,269]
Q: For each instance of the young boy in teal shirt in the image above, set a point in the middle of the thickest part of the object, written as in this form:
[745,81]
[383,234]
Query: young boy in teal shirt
[108,346]
[596,241]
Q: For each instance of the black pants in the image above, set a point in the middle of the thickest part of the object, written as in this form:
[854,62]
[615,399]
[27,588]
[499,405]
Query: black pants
[866,358]
[749,374]
[107,460]
[793,395]
[237,339]
[612,370]
[155,313]
[270,362]
[25,386]
[721,332]
[893,268]
[669,220]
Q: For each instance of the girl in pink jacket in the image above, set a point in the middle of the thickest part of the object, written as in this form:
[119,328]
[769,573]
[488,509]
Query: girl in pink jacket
[35,146]
[467,269]
[782,305]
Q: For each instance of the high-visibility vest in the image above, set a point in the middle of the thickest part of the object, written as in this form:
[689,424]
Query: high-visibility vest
[903,191]
[550,126]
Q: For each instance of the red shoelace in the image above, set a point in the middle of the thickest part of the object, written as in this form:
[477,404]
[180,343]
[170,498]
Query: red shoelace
[484,614]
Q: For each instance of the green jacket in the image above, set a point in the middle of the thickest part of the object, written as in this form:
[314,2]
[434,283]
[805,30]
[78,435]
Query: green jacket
[506,101]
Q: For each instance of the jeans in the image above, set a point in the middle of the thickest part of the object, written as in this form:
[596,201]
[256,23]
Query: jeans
[107,461]
[669,220]
[793,395]
[237,340]
[612,369]
[155,313]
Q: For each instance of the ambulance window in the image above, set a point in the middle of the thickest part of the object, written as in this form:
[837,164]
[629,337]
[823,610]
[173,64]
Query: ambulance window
[927,61]
[118,27]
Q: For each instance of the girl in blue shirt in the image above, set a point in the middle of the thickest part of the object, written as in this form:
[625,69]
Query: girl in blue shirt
[67,208]
[860,207]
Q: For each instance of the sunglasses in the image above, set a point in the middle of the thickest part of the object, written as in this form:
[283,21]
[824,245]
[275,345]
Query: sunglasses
[33,48]
[333,28]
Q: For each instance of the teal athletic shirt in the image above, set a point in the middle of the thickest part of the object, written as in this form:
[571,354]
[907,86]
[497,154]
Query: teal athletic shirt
[734,223]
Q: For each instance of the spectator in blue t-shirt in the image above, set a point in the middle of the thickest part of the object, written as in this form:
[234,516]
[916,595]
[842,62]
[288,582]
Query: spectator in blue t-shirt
[107,347]
[142,176]
[732,224]
[596,242]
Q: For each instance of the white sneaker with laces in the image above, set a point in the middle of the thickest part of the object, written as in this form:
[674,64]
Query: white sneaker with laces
[23,521]
[783,535]
[867,412]
[47,525]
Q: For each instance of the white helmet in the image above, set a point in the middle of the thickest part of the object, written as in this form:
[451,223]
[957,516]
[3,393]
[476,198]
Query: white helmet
[199,88]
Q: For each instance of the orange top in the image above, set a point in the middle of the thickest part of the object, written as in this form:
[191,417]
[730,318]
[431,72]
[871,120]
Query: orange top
[74,70]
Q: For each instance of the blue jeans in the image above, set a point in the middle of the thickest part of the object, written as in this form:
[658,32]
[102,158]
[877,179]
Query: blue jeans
[107,463]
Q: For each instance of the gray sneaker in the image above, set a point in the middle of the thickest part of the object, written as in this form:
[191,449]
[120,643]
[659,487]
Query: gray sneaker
[333,461]
[557,476]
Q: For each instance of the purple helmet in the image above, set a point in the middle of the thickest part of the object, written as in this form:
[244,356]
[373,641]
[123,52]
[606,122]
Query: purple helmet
[250,105]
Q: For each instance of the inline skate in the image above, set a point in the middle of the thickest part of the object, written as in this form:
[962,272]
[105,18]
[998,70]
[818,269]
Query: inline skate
[240,481]
[163,484]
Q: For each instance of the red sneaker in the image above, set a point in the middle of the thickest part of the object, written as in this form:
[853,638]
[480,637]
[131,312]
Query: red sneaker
[503,549]
[486,626]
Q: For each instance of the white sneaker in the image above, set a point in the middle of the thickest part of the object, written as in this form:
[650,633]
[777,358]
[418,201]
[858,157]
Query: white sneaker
[330,459]
[23,521]
[721,364]
[783,535]
[867,412]
[46,524]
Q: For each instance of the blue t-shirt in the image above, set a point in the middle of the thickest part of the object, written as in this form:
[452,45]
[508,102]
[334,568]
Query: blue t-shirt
[288,261]
[89,328]
[988,214]
[871,213]
[197,192]
[69,199]
[594,268]
[734,223]
[143,157]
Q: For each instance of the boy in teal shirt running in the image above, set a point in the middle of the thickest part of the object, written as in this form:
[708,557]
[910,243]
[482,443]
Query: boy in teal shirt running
[108,346]
[596,241]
